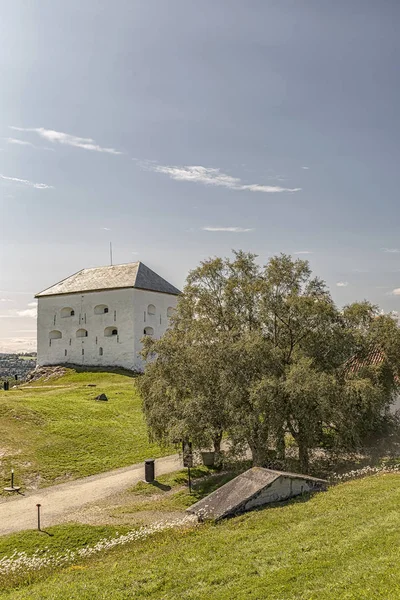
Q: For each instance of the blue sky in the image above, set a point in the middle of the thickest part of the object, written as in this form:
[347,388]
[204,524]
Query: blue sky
[180,130]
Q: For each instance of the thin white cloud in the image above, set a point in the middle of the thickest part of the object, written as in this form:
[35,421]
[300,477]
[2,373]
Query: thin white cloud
[342,284]
[5,300]
[106,229]
[213,176]
[38,186]
[303,252]
[65,138]
[396,292]
[228,229]
[30,312]
[305,168]
[390,250]
[19,142]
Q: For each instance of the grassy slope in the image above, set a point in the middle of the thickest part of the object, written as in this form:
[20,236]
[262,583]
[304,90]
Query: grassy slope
[52,431]
[342,544]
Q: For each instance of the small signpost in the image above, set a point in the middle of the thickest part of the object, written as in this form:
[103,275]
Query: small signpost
[188,460]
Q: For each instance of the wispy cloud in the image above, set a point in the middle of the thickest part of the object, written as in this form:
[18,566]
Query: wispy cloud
[396,292]
[213,176]
[391,250]
[5,300]
[38,186]
[305,168]
[19,142]
[228,229]
[65,138]
[303,252]
[30,312]
[106,229]
[342,284]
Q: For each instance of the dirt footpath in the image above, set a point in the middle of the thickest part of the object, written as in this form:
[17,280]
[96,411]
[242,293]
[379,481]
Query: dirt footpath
[60,502]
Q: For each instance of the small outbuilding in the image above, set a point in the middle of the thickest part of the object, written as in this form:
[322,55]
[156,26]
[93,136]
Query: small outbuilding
[253,488]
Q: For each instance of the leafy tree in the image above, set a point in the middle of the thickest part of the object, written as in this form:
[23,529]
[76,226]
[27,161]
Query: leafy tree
[257,352]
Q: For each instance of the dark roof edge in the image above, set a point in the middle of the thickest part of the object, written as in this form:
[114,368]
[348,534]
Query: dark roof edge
[125,287]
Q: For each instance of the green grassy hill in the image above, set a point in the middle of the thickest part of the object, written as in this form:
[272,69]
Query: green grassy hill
[54,430]
[342,544]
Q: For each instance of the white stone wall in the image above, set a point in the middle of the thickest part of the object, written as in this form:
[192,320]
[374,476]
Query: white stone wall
[127,312]
[142,319]
[282,488]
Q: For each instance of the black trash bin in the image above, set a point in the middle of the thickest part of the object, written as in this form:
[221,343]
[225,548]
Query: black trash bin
[149,470]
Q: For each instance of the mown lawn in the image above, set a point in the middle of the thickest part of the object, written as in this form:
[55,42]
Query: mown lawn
[54,430]
[342,544]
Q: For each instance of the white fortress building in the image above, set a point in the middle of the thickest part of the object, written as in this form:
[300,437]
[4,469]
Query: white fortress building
[98,316]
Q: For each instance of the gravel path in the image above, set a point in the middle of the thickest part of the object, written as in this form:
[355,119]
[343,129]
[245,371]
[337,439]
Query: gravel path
[20,512]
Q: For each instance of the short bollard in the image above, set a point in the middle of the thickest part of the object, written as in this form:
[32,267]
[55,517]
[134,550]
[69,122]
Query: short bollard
[12,488]
[38,516]
[149,470]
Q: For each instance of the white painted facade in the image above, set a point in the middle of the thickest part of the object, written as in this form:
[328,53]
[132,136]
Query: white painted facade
[281,489]
[75,328]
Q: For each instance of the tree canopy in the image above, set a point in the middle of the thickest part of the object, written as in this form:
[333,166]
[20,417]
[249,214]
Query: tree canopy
[260,352]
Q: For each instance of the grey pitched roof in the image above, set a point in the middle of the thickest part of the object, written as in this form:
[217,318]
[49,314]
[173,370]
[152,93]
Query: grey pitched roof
[135,275]
[232,497]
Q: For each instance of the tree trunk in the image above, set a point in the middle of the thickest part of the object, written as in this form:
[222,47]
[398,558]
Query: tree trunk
[304,458]
[217,449]
[280,444]
[259,454]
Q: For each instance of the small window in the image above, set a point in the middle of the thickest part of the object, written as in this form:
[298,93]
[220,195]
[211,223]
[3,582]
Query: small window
[170,312]
[151,309]
[148,331]
[81,333]
[144,316]
[100,309]
[110,331]
[55,335]
[67,311]
[65,353]
[101,351]
[70,341]
[115,315]
[83,351]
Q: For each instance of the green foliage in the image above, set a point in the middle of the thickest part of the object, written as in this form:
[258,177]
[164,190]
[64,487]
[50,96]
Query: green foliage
[54,430]
[258,352]
[340,544]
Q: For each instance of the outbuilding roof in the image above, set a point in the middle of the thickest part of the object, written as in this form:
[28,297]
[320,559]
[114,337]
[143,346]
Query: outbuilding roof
[130,275]
[233,497]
